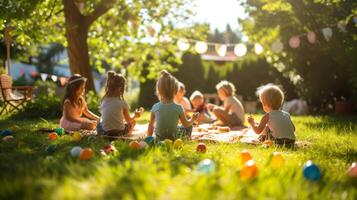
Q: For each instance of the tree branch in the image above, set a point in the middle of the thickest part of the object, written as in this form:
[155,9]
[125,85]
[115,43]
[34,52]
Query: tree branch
[99,10]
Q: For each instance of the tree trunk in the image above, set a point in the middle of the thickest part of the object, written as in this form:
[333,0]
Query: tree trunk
[76,33]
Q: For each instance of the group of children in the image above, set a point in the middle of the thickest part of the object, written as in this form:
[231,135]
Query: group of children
[173,107]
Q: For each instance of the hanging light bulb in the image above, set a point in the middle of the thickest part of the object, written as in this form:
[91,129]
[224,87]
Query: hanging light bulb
[183,44]
[258,48]
[240,50]
[201,47]
[221,49]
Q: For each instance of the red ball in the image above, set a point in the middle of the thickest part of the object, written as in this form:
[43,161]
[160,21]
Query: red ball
[201,148]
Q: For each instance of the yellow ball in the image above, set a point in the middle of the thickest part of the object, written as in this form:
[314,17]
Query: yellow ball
[76,136]
[178,144]
[277,160]
[249,170]
[168,142]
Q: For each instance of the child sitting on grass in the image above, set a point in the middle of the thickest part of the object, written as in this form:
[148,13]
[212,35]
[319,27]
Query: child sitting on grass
[276,125]
[74,106]
[181,99]
[199,105]
[232,112]
[114,109]
[166,114]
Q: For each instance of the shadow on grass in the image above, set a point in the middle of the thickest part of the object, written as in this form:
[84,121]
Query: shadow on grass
[342,123]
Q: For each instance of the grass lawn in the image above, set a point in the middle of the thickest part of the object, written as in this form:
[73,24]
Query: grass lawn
[27,171]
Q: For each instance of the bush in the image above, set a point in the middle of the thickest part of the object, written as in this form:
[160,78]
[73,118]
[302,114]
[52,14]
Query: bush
[46,104]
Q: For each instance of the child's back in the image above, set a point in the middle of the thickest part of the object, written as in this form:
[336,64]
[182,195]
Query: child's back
[166,119]
[112,113]
[280,124]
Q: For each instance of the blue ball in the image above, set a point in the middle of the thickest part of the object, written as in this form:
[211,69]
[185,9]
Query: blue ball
[150,140]
[6,132]
[311,171]
[51,149]
[206,166]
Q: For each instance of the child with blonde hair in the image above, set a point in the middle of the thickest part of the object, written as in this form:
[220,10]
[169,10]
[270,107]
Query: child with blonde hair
[114,108]
[74,107]
[276,125]
[199,105]
[181,99]
[232,112]
[166,114]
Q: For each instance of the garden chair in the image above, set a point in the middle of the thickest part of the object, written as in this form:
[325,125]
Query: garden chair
[13,97]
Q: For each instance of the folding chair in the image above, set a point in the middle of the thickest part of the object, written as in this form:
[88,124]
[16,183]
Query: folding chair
[13,100]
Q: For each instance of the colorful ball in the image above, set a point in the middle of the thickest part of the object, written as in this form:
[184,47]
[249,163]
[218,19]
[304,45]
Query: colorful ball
[76,136]
[8,138]
[50,149]
[108,149]
[352,171]
[161,144]
[201,148]
[52,136]
[75,151]
[86,154]
[134,145]
[150,140]
[206,166]
[168,143]
[268,143]
[249,170]
[245,156]
[143,145]
[178,144]
[59,131]
[6,132]
[311,171]
[277,161]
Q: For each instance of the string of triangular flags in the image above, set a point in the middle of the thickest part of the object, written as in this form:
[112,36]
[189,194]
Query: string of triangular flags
[44,76]
[240,49]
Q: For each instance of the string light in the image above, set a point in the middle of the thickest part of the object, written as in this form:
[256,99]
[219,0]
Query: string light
[258,49]
[183,44]
[240,50]
[277,46]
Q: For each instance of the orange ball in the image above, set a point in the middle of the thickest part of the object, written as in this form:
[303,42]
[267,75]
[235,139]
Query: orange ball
[245,156]
[86,154]
[249,170]
[277,160]
[352,171]
[52,136]
[134,145]
[268,142]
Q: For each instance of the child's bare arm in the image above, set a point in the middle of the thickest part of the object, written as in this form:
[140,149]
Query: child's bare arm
[89,114]
[263,122]
[187,123]
[69,113]
[151,124]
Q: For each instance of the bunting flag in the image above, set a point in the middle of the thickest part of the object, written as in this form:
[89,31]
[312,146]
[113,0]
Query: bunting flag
[54,78]
[311,37]
[327,32]
[63,80]
[294,42]
[44,76]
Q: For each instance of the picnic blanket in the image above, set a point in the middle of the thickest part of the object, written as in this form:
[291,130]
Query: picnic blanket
[203,132]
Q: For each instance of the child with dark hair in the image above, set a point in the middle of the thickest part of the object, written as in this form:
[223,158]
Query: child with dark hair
[74,107]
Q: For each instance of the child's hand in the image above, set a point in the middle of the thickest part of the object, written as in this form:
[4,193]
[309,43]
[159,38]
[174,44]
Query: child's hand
[195,116]
[138,112]
[211,106]
[251,120]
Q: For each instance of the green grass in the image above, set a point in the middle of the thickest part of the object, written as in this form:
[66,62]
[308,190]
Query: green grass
[26,171]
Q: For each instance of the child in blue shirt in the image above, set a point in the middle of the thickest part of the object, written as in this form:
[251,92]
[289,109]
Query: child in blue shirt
[166,114]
